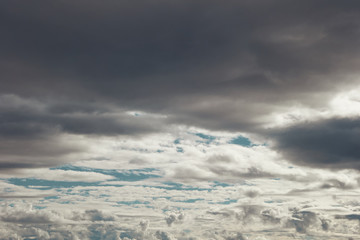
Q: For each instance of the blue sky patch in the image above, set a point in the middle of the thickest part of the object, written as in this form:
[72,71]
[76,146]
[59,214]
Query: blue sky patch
[39,207]
[130,203]
[242,141]
[180,186]
[226,202]
[221,184]
[208,138]
[130,175]
[42,184]
[192,200]
[51,197]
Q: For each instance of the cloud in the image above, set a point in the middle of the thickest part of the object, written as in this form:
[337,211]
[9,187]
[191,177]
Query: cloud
[331,143]
[169,85]
[230,66]
[238,236]
[173,218]
[37,134]
[28,119]
[92,215]
[303,220]
[144,224]
[225,70]
[349,216]
[163,235]
[29,216]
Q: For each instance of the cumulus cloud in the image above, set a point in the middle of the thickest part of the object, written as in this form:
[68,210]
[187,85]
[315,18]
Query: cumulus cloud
[144,224]
[303,220]
[92,215]
[28,215]
[163,235]
[174,218]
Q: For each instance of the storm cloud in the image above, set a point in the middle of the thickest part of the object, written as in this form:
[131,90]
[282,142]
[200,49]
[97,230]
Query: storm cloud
[331,143]
[217,65]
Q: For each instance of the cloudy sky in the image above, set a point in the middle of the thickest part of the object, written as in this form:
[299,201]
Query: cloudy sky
[180,120]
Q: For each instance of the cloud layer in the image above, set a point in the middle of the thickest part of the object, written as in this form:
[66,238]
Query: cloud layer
[179,119]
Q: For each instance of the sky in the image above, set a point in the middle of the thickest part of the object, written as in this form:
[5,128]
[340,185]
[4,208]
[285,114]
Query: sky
[180,120]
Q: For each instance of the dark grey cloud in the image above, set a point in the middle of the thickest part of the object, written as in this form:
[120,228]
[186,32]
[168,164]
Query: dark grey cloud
[142,53]
[36,152]
[349,216]
[27,121]
[33,133]
[331,143]
[217,65]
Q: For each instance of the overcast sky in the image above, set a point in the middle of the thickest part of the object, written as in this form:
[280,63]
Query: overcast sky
[167,119]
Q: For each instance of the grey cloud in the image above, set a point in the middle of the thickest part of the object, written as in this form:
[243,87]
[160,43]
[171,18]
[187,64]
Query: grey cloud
[335,183]
[226,166]
[325,224]
[32,216]
[28,216]
[248,213]
[32,132]
[253,193]
[173,218]
[326,184]
[29,223]
[333,143]
[163,235]
[270,216]
[35,153]
[97,215]
[238,236]
[223,212]
[349,216]
[14,196]
[138,161]
[175,57]
[27,121]
[223,66]
[144,224]
[303,220]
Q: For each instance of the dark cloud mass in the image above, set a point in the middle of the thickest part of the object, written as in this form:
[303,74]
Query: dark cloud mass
[151,50]
[332,143]
[212,64]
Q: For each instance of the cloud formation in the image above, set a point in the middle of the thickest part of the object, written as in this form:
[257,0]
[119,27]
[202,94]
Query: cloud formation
[228,66]
[324,143]
[242,116]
